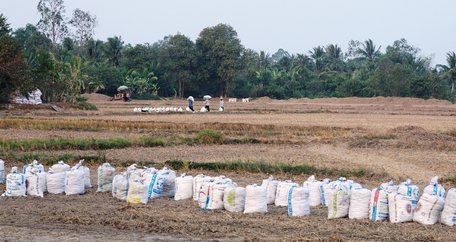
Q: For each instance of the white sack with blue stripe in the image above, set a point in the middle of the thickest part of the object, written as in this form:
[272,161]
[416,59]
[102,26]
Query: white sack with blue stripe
[407,189]
[15,184]
[378,208]
[434,188]
[281,198]
[298,202]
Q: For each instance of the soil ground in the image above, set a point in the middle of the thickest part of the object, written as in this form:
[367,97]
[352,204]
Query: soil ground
[397,137]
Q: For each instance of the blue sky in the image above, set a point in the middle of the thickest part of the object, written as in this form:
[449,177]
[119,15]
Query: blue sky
[294,25]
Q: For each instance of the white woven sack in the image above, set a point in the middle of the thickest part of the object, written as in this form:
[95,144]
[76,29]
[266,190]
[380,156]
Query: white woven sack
[314,190]
[434,188]
[197,182]
[55,182]
[203,194]
[36,182]
[255,199]
[34,164]
[156,183]
[184,187]
[234,199]
[86,171]
[389,187]
[15,184]
[281,199]
[60,167]
[2,171]
[106,174]
[298,202]
[216,195]
[271,188]
[340,203]
[138,192]
[169,179]
[120,184]
[325,190]
[428,209]
[449,211]
[400,208]
[74,182]
[407,189]
[378,207]
[359,204]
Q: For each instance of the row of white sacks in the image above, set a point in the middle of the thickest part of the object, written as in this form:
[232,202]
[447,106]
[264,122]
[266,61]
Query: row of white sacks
[158,110]
[168,110]
[60,178]
[344,198]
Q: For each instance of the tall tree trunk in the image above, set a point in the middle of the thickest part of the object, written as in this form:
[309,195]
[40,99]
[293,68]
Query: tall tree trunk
[181,88]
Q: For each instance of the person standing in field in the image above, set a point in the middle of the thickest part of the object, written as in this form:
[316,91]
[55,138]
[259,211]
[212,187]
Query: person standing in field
[222,105]
[190,103]
[206,104]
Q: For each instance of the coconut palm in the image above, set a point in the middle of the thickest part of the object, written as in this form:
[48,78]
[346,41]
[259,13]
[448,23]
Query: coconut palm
[450,69]
[368,50]
[318,55]
[112,50]
[334,55]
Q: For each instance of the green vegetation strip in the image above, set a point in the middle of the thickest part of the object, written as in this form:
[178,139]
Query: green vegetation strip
[205,137]
[81,144]
[182,165]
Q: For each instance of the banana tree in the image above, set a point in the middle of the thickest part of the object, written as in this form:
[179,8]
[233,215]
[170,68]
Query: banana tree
[142,83]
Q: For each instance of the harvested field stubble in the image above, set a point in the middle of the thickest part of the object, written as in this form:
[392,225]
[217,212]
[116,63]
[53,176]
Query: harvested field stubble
[290,139]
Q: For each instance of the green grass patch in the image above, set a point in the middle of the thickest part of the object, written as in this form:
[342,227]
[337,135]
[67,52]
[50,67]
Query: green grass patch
[79,144]
[150,141]
[208,136]
[264,167]
[49,160]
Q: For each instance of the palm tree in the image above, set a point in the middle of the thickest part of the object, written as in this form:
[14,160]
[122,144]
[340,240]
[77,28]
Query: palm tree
[368,50]
[112,49]
[450,69]
[334,54]
[318,55]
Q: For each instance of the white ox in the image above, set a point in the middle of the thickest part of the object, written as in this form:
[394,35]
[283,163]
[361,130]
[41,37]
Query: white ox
[246,100]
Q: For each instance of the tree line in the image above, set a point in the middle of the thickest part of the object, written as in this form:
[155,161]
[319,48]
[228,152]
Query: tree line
[62,58]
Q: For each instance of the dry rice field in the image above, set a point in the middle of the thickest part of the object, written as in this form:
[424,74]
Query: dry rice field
[386,138]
